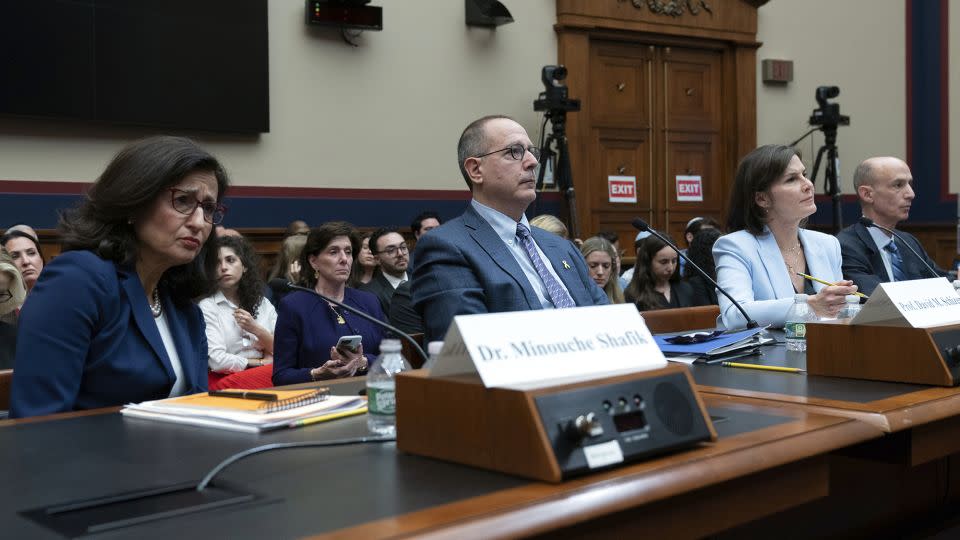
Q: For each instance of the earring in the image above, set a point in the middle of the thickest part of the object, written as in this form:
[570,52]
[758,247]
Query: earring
[316,274]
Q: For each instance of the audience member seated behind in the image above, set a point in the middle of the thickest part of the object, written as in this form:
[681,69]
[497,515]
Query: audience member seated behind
[614,239]
[111,320]
[627,274]
[694,226]
[308,327]
[25,251]
[599,256]
[757,263]
[288,264]
[425,222]
[239,320]
[656,282]
[551,223]
[297,227]
[701,253]
[12,293]
[391,251]
[366,264]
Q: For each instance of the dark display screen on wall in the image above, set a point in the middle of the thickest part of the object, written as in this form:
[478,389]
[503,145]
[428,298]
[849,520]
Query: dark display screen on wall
[185,64]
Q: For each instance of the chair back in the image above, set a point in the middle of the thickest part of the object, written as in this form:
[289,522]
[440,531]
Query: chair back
[410,353]
[661,321]
[6,380]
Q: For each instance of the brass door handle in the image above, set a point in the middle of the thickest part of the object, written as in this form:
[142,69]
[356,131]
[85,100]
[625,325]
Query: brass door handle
[621,169]
[621,86]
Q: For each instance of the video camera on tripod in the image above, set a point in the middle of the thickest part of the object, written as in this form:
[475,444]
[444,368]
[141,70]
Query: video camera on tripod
[829,113]
[554,99]
[827,118]
[555,102]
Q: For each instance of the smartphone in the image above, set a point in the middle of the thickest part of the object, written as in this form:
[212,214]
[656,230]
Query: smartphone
[349,343]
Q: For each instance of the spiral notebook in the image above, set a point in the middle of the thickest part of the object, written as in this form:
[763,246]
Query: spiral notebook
[280,400]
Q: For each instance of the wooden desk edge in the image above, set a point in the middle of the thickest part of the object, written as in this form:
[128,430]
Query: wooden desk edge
[538,507]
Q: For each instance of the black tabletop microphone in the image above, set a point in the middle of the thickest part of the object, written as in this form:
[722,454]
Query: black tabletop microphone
[287,286]
[867,222]
[643,226]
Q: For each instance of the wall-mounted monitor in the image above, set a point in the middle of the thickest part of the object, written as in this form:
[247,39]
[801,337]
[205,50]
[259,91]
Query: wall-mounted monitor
[180,64]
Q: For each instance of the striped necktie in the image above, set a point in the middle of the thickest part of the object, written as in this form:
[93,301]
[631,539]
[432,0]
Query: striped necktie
[558,295]
[896,261]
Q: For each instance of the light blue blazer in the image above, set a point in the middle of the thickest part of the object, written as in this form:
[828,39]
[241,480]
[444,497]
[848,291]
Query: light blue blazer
[753,271]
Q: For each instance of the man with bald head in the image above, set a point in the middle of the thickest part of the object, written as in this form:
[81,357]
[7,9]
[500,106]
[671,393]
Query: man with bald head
[489,259]
[870,255]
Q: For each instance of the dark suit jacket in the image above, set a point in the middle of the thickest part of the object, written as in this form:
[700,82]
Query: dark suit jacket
[87,339]
[381,288]
[703,292]
[863,264]
[402,314]
[463,267]
[307,329]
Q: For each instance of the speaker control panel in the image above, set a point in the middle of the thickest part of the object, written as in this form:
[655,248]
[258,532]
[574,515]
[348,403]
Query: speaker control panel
[621,422]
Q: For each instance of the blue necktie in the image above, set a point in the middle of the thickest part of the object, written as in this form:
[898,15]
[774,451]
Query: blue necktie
[558,295]
[896,261]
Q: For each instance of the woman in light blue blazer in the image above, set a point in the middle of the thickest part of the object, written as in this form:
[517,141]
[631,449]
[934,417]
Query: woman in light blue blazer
[759,261]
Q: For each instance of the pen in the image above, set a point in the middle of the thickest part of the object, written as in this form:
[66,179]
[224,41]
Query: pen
[243,395]
[325,417]
[767,368]
[825,282]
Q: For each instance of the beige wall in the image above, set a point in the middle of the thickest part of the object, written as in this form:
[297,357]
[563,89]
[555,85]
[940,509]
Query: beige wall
[859,47]
[384,114]
[387,113]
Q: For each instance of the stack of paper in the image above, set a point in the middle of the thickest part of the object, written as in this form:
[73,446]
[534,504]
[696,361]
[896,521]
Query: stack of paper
[246,414]
[721,347]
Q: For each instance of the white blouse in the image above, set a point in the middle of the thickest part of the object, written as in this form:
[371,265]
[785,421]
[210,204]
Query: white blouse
[229,347]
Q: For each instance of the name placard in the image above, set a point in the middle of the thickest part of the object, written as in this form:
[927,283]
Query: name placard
[919,303]
[532,347]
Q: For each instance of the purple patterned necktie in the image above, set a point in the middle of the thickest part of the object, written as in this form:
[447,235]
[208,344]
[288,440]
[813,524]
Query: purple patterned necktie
[558,295]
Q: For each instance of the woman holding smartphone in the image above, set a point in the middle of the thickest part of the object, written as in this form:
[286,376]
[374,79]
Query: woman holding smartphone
[309,328]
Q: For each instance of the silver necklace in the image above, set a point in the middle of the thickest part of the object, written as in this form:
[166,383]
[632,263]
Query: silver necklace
[156,307]
[796,252]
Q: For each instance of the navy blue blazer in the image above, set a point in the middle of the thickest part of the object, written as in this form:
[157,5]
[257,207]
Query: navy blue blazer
[307,328]
[863,263]
[463,268]
[87,339]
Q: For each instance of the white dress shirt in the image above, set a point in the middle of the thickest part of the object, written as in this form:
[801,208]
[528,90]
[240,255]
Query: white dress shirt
[229,347]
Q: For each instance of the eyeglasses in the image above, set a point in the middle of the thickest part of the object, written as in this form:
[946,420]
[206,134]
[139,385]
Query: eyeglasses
[392,250]
[516,151]
[185,203]
[5,295]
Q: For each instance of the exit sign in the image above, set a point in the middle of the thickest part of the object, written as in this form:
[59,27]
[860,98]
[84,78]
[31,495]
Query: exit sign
[777,71]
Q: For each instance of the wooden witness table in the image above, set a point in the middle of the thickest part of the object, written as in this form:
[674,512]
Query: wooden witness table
[903,481]
[767,459]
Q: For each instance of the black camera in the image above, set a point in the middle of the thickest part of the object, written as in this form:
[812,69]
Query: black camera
[828,115]
[555,98]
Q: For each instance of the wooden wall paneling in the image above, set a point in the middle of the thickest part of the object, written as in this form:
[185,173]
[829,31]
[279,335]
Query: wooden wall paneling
[573,52]
[730,20]
[692,88]
[620,85]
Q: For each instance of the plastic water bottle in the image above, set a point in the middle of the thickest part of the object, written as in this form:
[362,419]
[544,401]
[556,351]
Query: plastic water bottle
[382,388]
[851,309]
[796,323]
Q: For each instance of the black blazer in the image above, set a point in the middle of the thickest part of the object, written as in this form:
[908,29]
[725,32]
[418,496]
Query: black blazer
[703,292]
[402,315]
[681,295]
[381,288]
[863,263]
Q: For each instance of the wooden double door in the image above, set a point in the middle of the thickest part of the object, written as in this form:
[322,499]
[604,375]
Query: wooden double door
[654,118]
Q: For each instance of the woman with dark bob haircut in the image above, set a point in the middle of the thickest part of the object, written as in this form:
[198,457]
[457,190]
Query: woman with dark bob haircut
[656,280]
[759,262]
[240,321]
[308,327]
[111,321]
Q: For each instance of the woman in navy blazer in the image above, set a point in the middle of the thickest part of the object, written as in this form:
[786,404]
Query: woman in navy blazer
[308,327]
[759,261]
[111,321]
